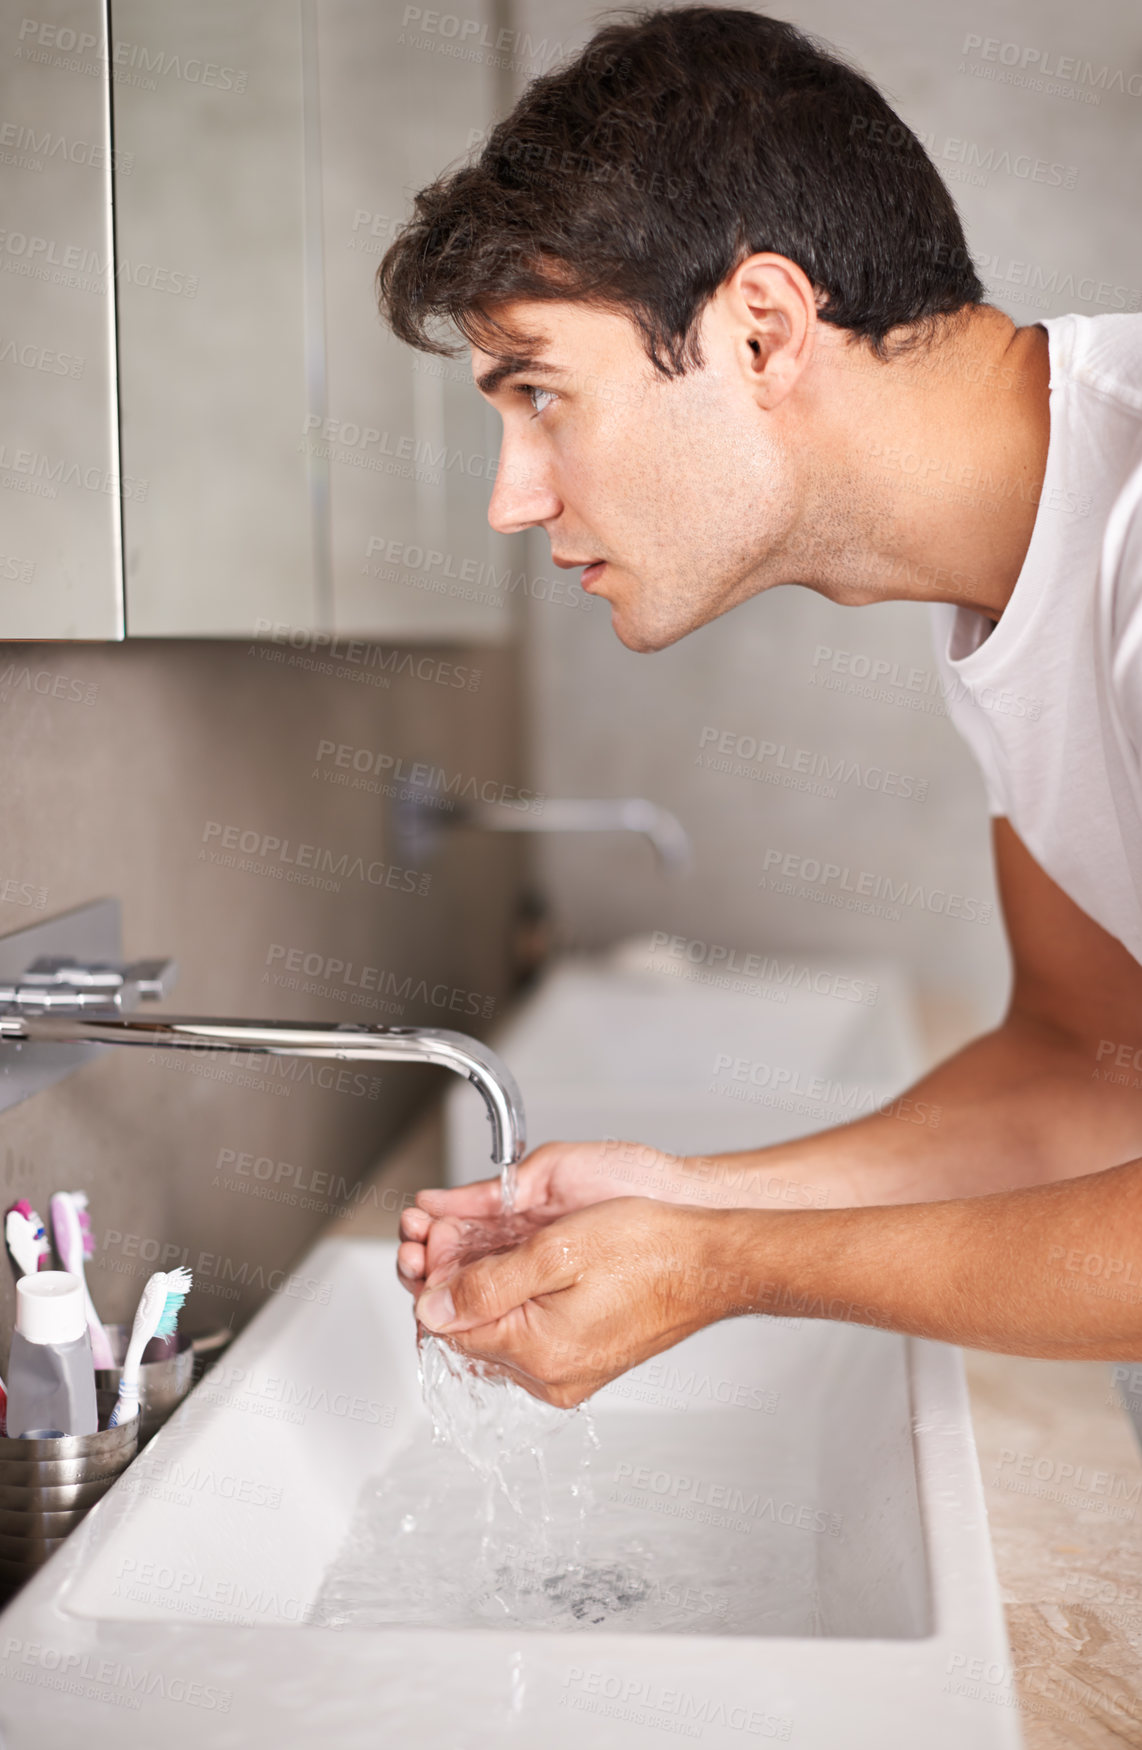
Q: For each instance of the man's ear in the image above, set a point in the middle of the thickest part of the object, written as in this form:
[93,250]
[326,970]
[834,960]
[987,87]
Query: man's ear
[771,308]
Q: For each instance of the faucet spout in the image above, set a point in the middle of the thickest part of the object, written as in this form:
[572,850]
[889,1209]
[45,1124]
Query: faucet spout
[350,1043]
[420,821]
[583,814]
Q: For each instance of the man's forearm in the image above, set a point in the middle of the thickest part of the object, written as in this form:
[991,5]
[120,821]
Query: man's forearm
[1055,1270]
[1012,1109]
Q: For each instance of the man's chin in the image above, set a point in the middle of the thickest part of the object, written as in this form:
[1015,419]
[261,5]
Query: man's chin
[641,635]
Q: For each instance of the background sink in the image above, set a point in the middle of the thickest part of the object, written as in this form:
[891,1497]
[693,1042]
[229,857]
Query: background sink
[643,1045]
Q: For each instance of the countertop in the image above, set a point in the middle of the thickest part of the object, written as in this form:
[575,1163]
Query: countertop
[1062,1474]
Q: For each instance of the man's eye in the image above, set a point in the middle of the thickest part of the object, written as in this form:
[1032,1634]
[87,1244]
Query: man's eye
[533,392]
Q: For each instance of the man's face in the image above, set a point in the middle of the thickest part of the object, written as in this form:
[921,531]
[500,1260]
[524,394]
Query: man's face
[674,494]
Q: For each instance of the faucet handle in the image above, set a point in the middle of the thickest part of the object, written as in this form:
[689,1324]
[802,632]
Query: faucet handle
[147,981]
[56,971]
[56,981]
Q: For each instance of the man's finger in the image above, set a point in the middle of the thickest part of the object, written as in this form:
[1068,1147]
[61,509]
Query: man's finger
[462,1201]
[410,1259]
[414,1224]
[445,1241]
[485,1291]
[482,1199]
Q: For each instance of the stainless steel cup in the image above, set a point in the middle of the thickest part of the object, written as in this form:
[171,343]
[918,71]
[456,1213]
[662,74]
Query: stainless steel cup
[14,1522]
[46,1487]
[52,1497]
[22,1459]
[208,1346]
[165,1376]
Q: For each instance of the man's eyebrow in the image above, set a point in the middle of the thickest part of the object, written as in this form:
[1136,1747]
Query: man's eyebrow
[492,379]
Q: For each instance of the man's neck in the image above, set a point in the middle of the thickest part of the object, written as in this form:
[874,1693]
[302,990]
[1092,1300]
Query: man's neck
[935,467]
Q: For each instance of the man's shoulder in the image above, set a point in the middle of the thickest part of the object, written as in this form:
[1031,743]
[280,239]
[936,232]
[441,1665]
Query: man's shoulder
[1103,354]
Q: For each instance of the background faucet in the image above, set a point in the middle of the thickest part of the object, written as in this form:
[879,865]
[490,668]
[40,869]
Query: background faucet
[422,815]
[57,1000]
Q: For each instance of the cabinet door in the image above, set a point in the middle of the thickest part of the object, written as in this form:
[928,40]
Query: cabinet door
[215,337]
[304,469]
[60,570]
[409,444]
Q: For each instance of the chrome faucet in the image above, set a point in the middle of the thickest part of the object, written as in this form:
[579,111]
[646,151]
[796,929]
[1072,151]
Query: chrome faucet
[57,1000]
[421,815]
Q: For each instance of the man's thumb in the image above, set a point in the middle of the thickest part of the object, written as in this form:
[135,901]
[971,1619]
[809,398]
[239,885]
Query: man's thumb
[485,1291]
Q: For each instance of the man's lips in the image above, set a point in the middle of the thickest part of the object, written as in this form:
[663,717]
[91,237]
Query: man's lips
[592,568]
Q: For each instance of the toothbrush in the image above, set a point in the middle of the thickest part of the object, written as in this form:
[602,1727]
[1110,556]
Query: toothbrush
[27,1242]
[156,1316]
[71,1227]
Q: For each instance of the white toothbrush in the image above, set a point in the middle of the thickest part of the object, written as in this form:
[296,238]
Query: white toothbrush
[71,1229]
[156,1316]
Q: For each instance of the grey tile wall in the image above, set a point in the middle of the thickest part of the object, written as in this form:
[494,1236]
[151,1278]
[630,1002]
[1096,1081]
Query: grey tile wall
[122,768]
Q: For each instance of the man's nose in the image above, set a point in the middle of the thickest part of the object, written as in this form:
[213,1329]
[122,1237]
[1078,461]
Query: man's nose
[522,496]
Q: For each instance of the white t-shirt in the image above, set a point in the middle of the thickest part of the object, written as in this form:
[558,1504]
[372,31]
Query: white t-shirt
[1050,698]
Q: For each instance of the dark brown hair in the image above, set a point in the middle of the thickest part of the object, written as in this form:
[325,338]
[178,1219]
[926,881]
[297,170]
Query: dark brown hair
[638,176]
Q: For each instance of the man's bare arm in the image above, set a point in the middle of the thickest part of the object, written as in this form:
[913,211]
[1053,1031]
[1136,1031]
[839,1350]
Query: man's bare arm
[1042,1098]
[1030,1103]
[1015,1225]
[1054,1270]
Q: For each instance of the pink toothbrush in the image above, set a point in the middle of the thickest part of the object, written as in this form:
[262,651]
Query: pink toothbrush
[71,1229]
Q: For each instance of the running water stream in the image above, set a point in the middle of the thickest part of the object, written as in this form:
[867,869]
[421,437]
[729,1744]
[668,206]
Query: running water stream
[507,1511]
[491,1524]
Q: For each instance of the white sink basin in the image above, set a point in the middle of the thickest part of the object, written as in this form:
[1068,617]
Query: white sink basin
[178,1612]
[815,1485]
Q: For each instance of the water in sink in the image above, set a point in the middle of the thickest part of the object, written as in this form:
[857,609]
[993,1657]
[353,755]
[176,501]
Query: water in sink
[563,1520]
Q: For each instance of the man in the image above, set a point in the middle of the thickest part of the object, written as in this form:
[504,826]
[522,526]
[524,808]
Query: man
[723,303]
